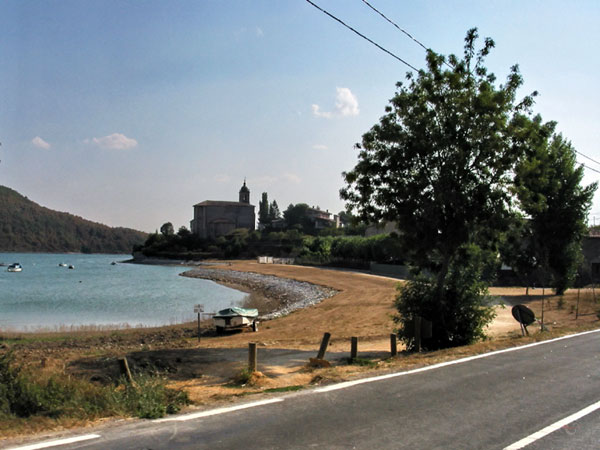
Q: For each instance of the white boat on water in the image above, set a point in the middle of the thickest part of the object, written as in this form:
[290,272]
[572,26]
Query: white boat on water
[71,266]
[62,265]
[15,267]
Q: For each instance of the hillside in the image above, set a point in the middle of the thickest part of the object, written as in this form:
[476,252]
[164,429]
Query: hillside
[26,226]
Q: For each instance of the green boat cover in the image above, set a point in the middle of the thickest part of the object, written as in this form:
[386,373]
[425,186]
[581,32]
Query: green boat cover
[235,311]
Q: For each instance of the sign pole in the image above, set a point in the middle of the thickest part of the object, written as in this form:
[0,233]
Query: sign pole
[199,309]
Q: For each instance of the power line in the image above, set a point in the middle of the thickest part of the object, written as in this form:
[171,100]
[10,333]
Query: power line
[588,167]
[393,23]
[585,156]
[401,29]
[363,36]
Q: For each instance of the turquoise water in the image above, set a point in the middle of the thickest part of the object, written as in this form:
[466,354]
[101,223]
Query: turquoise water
[46,296]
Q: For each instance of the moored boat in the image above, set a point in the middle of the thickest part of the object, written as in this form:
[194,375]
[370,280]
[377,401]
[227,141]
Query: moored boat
[15,267]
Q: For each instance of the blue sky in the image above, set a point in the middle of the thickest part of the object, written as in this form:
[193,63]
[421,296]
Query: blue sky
[129,112]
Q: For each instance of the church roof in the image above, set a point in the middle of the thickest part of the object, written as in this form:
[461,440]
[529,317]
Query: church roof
[244,188]
[222,203]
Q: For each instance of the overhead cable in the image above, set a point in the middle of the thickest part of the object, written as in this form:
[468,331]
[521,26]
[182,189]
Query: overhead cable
[392,22]
[399,28]
[363,36]
[585,156]
[588,167]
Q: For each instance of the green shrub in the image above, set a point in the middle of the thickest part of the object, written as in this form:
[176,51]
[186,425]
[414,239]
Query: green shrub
[459,311]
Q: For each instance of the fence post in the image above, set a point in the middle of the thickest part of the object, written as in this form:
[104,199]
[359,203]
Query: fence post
[324,344]
[393,344]
[252,356]
[124,367]
[353,348]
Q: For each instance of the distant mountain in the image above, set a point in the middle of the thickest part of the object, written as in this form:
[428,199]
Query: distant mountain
[26,226]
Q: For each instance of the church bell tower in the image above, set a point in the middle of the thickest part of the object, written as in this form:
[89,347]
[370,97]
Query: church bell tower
[245,194]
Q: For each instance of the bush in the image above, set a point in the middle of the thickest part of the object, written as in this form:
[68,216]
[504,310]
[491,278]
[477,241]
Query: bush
[25,395]
[459,311]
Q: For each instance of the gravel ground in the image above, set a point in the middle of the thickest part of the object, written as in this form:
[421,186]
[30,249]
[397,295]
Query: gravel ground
[289,294]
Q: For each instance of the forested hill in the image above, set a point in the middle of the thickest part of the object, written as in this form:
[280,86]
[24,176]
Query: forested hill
[26,226]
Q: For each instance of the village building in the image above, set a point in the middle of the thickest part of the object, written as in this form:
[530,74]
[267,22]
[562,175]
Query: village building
[214,218]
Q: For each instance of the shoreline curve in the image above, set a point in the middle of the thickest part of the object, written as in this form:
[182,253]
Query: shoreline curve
[284,295]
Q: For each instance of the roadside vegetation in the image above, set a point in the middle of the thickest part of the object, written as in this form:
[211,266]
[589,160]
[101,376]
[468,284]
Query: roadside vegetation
[28,396]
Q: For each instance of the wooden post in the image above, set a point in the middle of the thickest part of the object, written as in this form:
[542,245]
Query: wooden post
[543,296]
[393,344]
[353,348]
[124,366]
[252,356]
[324,344]
[417,321]
[198,327]
[577,307]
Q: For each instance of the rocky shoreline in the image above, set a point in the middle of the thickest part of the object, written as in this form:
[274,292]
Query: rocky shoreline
[287,295]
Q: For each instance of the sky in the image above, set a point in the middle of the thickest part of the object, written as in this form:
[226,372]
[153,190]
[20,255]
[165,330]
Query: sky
[128,113]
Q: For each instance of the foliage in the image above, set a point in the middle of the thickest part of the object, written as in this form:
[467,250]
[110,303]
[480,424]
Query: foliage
[274,212]
[28,227]
[459,315]
[25,395]
[439,164]
[149,398]
[263,211]
[296,216]
[167,229]
[548,187]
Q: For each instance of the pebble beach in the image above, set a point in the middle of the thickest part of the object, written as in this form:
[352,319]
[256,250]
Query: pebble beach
[290,295]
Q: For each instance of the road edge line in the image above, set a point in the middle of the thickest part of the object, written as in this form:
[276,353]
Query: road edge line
[347,384]
[214,412]
[553,427]
[57,442]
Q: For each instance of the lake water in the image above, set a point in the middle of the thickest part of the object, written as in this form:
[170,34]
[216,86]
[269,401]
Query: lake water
[46,296]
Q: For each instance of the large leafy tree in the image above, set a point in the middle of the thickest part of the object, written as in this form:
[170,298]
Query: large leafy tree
[439,163]
[554,204]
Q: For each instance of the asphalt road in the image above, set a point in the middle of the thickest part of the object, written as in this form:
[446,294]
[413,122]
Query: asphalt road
[485,403]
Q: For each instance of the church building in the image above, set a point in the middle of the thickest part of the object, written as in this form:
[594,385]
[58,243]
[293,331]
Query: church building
[218,218]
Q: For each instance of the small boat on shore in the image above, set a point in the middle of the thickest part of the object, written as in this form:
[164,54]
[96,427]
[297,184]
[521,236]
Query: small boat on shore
[236,318]
[15,267]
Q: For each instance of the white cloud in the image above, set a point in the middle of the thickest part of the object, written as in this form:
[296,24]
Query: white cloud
[40,143]
[316,109]
[222,178]
[346,104]
[291,177]
[115,141]
[320,147]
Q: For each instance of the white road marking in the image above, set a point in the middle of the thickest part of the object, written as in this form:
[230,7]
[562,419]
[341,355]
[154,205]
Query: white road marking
[58,442]
[334,387]
[214,412]
[555,426]
[347,384]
